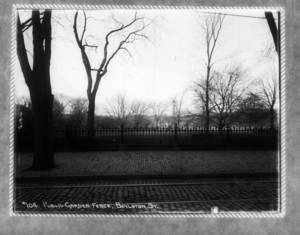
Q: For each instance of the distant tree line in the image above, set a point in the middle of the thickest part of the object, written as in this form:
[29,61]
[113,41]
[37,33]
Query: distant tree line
[252,110]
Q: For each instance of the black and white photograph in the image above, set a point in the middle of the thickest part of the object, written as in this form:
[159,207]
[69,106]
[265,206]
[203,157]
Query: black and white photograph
[147,111]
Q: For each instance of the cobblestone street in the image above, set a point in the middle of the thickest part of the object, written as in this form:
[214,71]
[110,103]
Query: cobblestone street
[126,182]
[134,195]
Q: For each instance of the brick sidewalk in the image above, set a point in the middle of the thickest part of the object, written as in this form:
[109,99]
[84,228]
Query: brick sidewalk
[158,163]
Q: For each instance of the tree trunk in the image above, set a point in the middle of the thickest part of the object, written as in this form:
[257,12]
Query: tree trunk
[207,120]
[220,128]
[43,157]
[37,79]
[91,113]
[207,102]
[272,117]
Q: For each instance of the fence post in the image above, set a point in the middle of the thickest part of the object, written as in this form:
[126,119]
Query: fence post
[175,145]
[175,130]
[122,133]
[227,131]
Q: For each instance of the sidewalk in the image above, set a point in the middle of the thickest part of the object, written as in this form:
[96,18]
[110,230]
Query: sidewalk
[160,163]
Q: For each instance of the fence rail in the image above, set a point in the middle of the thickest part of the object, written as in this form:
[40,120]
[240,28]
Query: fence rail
[154,138]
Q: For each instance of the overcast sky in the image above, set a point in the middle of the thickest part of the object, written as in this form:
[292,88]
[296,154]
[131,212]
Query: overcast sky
[161,68]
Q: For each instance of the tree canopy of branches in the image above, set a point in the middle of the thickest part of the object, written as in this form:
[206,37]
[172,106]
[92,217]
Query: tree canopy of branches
[178,109]
[105,122]
[252,110]
[268,90]
[211,28]
[24,115]
[138,112]
[158,110]
[132,31]
[59,109]
[37,79]
[119,110]
[227,89]
[78,111]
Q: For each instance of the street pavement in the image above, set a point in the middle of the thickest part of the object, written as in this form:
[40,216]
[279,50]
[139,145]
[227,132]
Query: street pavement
[149,182]
[252,194]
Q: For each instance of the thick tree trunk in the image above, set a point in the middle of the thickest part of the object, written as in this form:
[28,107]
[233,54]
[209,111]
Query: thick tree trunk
[43,157]
[91,113]
[37,79]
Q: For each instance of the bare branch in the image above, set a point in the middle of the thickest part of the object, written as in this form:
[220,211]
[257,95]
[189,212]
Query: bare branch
[138,111]
[57,21]
[269,90]
[227,90]
[84,27]
[84,56]
[124,48]
[128,33]
[118,109]
[25,25]
[158,110]
[121,46]
[22,54]
[136,33]
[91,46]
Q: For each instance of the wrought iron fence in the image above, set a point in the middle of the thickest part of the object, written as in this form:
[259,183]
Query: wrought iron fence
[155,138]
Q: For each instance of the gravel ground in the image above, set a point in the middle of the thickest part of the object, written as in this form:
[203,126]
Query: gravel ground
[151,163]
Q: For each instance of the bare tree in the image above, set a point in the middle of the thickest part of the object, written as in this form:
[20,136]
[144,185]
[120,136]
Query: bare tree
[131,32]
[138,112]
[211,28]
[269,52]
[59,110]
[252,110]
[119,110]
[269,90]
[78,110]
[37,78]
[178,108]
[60,105]
[227,89]
[158,110]
[24,115]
